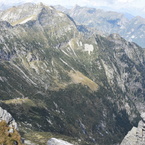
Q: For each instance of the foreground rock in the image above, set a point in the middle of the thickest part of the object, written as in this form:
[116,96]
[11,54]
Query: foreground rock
[8,129]
[54,141]
[5,116]
[137,135]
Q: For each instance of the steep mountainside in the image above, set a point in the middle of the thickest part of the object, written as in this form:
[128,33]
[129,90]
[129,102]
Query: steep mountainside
[54,80]
[109,22]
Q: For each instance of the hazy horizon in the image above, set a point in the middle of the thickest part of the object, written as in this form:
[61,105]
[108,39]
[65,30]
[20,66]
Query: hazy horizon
[125,6]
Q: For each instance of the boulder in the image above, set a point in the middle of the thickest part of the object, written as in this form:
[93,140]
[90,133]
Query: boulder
[4,115]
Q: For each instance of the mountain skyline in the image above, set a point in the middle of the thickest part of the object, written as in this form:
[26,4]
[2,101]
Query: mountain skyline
[136,8]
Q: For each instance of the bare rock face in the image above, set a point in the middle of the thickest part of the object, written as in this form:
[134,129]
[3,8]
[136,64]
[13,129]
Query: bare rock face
[137,135]
[4,115]
[54,141]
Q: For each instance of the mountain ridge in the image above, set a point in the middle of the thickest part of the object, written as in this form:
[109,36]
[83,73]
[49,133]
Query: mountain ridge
[62,82]
[109,22]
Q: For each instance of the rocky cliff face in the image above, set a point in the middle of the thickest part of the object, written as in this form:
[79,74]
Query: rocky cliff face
[137,135]
[56,81]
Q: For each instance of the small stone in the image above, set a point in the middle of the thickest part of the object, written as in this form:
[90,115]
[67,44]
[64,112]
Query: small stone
[11,131]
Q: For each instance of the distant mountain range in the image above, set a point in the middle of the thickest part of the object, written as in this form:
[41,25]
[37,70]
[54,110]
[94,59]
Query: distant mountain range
[129,27]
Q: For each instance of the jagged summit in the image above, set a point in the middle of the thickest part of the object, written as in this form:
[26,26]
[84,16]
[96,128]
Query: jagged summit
[27,12]
[115,36]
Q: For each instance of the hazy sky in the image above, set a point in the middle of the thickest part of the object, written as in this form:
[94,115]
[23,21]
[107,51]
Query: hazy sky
[134,6]
[118,3]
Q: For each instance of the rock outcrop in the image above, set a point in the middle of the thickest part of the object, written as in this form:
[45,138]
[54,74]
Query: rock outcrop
[8,129]
[5,116]
[54,141]
[137,135]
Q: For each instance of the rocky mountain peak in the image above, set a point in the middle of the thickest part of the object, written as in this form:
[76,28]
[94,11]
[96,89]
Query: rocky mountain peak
[24,13]
[115,36]
[76,7]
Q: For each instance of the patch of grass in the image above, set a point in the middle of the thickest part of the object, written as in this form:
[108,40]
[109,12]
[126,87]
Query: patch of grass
[33,17]
[43,137]
[78,77]
[19,101]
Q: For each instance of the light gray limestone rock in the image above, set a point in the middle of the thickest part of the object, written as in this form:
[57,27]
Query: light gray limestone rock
[4,115]
[137,135]
[54,141]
